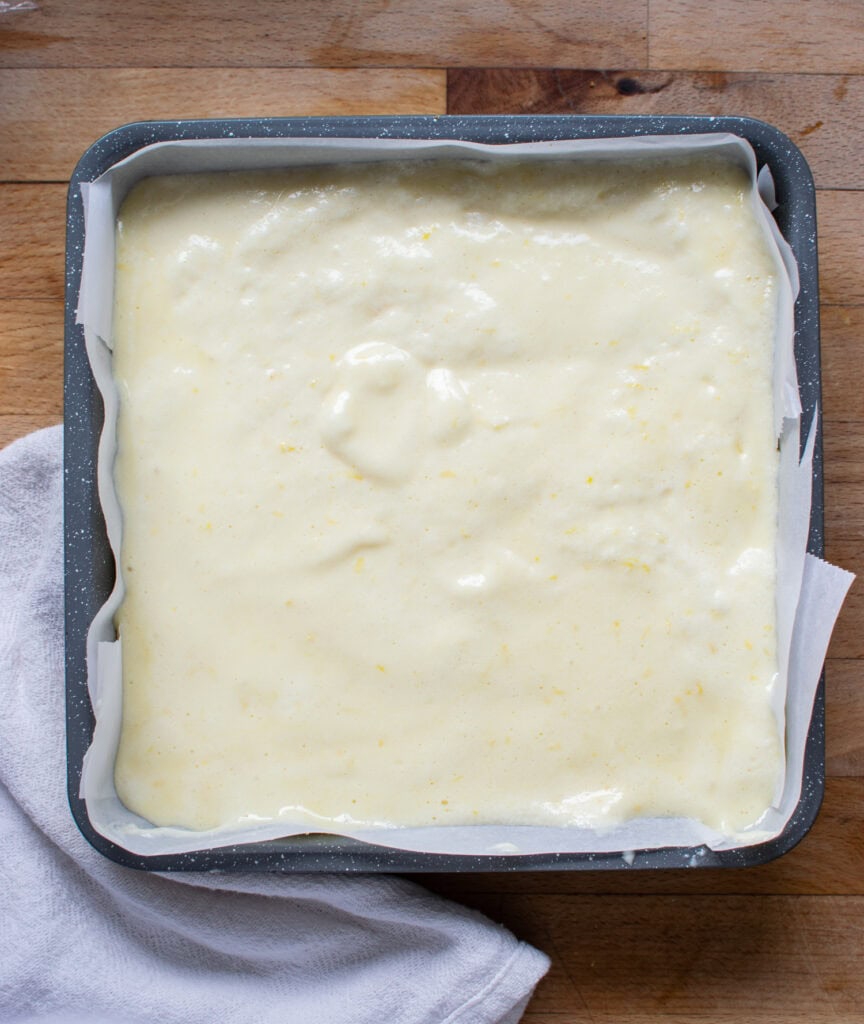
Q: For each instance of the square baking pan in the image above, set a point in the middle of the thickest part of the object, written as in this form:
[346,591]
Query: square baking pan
[89,563]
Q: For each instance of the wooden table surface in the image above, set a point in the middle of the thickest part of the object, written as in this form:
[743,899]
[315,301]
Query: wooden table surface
[782,942]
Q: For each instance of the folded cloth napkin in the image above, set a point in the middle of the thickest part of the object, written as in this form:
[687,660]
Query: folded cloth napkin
[83,939]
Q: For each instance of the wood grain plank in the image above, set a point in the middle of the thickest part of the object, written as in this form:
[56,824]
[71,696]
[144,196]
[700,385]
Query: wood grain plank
[757,35]
[847,640]
[32,226]
[332,33]
[88,102]
[844,483]
[31,355]
[842,361]
[844,525]
[655,1016]
[844,709]
[14,425]
[829,861]
[719,959]
[841,247]
[31,365]
[822,114]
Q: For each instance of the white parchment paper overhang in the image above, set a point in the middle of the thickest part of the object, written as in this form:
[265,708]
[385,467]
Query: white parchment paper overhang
[809,591]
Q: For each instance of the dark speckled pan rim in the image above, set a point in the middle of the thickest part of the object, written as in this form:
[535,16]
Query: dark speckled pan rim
[89,566]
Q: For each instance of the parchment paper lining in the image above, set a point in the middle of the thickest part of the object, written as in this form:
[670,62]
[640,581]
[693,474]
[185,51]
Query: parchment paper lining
[809,592]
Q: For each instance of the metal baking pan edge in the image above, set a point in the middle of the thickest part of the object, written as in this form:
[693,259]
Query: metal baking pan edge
[89,567]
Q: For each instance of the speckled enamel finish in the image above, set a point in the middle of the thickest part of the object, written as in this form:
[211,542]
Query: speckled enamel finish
[90,566]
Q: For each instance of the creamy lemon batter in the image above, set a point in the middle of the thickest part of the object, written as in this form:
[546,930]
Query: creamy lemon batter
[449,496]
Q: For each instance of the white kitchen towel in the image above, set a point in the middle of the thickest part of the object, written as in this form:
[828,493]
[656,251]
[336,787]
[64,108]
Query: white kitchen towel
[83,939]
